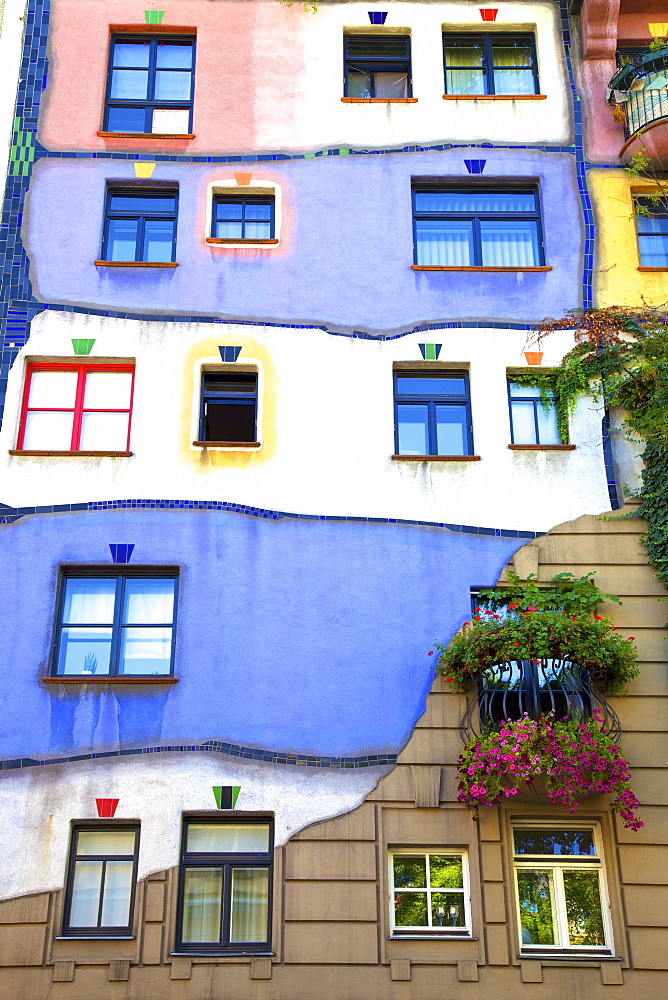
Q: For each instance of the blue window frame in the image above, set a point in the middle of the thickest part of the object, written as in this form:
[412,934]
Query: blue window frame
[432,413]
[116,623]
[140,225]
[229,407]
[530,422]
[477,226]
[652,232]
[490,64]
[150,84]
[250,218]
[377,66]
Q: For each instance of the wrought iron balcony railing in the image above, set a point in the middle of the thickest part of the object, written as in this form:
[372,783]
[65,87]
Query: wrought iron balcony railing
[641,89]
[509,690]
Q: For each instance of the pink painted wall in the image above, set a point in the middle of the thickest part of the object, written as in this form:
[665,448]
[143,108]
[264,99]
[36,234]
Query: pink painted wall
[240,46]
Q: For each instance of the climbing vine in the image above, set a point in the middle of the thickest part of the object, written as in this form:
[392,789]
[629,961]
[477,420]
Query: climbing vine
[621,357]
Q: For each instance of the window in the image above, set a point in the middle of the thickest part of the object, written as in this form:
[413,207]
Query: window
[530,422]
[490,64]
[377,66]
[229,407]
[560,887]
[101,881]
[523,687]
[116,623]
[225,885]
[150,85]
[652,232]
[477,227]
[429,892]
[250,218]
[75,407]
[432,413]
[140,225]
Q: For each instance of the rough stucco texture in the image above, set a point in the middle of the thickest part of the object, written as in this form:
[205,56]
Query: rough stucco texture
[303,636]
[345,216]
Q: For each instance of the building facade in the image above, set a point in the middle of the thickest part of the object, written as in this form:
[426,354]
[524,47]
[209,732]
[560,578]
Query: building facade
[268,280]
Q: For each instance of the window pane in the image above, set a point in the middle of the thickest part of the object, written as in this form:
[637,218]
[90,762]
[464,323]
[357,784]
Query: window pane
[159,240]
[171,120]
[359,83]
[48,431]
[464,62]
[131,53]
[126,120]
[230,382]
[85,893]
[507,52]
[229,210]
[509,243]
[84,650]
[129,84]
[536,899]
[444,243]
[256,211]
[145,651]
[170,56]
[465,81]
[110,843]
[117,894]
[410,872]
[430,385]
[410,909]
[548,432]
[89,601]
[447,909]
[445,872]
[107,391]
[524,424]
[250,904]
[227,838]
[554,842]
[140,202]
[122,239]
[653,251]
[229,421]
[172,85]
[202,896]
[523,391]
[229,230]
[451,435]
[413,429]
[53,390]
[583,908]
[104,432]
[514,81]
[384,45]
[474,201]
[390,85]
[656,222]
[148,602]
[257,231]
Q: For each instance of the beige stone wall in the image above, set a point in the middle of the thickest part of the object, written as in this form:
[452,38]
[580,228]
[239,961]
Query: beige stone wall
[331,911]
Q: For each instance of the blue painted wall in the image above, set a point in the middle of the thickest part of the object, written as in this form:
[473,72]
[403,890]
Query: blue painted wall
[346,244]
[293,635]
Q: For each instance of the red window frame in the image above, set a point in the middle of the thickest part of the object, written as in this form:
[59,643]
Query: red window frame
[78,409]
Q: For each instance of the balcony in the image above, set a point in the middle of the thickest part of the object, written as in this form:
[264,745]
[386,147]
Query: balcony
[639,94]
[536,688]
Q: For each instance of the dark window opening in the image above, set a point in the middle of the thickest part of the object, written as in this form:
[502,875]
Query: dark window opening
[229,407]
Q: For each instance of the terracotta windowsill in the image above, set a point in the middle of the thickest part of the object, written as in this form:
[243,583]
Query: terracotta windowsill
[216,241]
[379,100]
[542,447]
[72,454]
[494,97]
[227,444]
[147,135]
[435,458]
[653,268]
[155,29]
[110,679]
[434,267]
[134,263]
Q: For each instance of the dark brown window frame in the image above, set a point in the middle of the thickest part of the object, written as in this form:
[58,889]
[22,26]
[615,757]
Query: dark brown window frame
[99,932]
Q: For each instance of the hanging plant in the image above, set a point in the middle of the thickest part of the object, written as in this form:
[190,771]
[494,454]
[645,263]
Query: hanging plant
[575,760]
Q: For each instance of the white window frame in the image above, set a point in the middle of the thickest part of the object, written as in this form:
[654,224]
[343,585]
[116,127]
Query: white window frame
[544,862]
[401,930]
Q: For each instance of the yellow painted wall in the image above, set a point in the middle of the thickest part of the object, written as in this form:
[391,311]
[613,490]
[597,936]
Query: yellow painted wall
[617,280]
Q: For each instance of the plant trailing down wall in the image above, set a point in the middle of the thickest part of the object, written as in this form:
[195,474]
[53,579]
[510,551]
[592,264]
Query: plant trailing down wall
[621,356]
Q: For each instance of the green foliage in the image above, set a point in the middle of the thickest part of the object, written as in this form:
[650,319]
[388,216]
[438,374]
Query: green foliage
[574,596]
[621,356]
[309,8]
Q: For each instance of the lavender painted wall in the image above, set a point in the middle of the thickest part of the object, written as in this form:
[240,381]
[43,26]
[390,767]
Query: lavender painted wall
[301,636]
[346,244]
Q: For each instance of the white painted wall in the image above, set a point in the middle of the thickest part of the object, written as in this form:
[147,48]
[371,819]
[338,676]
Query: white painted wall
[321,119]
[11,36]
[42,803]
[328,429]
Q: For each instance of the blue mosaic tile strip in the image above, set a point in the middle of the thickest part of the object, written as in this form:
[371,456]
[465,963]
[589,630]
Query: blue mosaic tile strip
[11,514]
[215,746]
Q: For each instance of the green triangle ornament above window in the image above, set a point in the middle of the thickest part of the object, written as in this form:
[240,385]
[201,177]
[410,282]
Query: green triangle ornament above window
[226,795]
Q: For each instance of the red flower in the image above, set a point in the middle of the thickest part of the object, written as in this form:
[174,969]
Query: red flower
[631,638]
[598,618]
[450,679]
[430,653]
[476,618]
